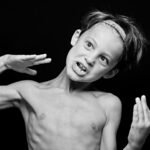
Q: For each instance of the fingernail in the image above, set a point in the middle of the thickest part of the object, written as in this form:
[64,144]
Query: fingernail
[49,59]
[44,55]
[143,98]
[137,99]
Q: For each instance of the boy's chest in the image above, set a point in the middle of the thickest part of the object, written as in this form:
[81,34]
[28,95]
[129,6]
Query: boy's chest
[67,115]
[63,111]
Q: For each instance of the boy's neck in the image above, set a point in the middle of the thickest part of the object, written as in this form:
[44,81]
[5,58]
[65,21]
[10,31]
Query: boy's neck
[64,82]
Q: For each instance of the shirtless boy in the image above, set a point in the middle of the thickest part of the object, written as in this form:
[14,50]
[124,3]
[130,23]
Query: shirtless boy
[61,114]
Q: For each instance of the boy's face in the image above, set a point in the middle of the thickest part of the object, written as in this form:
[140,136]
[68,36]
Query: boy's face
[94,53]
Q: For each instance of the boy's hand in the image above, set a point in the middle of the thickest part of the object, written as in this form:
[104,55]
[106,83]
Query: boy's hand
[21,63]
[140,127]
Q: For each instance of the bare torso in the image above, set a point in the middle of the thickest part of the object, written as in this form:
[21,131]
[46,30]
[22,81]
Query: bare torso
[56,120]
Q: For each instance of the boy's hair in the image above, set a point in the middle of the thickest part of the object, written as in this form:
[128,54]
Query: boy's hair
[134,41]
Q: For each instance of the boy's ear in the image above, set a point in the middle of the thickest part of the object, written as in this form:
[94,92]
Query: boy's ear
[75,37]
[111,74]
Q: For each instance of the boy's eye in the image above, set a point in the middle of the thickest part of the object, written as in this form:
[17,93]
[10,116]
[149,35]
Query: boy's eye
[104,60]
[89,44]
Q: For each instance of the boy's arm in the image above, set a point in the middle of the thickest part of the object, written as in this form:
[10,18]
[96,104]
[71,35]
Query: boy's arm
[8,95]
[113,112]
[140,127]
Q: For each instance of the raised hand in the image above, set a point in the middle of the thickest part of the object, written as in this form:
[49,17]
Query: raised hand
[140,127]
[21,63]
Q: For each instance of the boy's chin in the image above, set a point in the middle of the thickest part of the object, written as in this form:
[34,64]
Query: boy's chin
[79,79]
[76,78]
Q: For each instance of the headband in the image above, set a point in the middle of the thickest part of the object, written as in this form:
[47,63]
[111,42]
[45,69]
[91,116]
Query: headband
[117,27]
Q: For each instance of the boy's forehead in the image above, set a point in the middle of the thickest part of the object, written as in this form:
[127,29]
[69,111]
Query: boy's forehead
[101,31]
[117,27]
[105,27]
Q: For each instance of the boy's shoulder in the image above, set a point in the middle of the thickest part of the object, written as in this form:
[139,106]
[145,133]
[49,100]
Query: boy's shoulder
[111,104]
[107,100]
[24,84]
[31,84]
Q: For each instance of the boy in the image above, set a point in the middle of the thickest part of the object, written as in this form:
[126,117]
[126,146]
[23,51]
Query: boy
[62,114]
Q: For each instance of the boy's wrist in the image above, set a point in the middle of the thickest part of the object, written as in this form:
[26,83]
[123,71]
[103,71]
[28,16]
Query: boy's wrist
[134,146]
[3,61]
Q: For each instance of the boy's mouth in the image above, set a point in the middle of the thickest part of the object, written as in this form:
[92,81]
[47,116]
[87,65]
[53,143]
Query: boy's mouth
[81,66]
[80,69]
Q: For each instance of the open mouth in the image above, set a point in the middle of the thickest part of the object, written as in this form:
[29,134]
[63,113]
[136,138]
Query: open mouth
[81,66]
[80,69]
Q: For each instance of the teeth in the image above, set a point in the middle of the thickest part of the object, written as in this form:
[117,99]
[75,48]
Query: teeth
[79,69]
[81,66]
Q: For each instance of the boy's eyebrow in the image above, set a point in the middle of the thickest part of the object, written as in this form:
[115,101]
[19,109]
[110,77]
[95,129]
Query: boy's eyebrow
[94,41]
[108,55]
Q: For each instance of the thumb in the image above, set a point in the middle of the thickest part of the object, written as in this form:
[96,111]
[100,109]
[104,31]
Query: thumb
[1,64]
[29,71]
[2,67]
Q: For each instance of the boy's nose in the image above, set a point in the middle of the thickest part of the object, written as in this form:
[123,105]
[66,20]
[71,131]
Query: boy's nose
[90,61]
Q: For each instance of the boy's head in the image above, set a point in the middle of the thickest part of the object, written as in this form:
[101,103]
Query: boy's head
[134,41]
[104,45]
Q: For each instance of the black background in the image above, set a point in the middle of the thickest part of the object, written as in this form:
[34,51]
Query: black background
[29,27]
